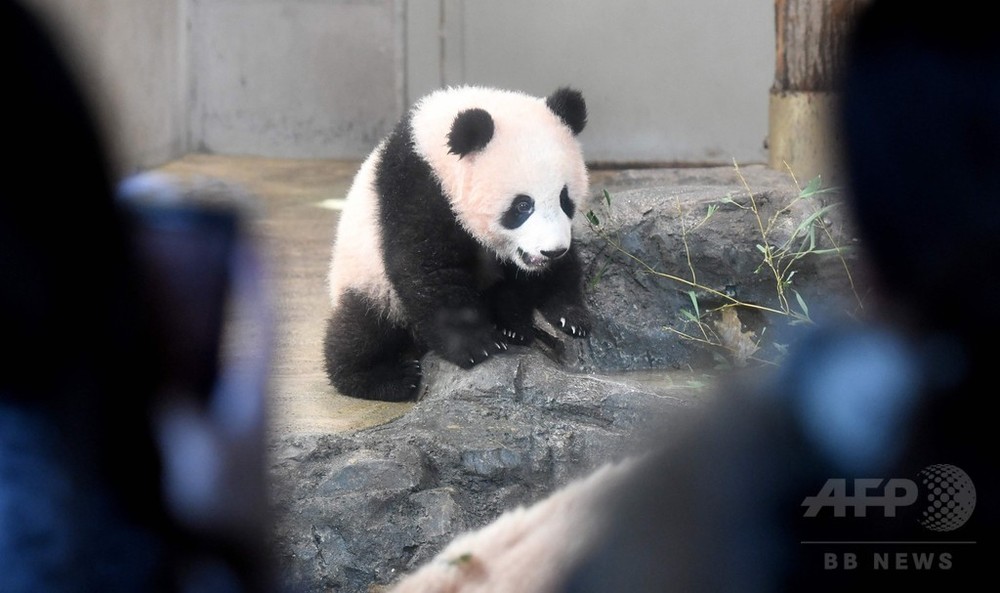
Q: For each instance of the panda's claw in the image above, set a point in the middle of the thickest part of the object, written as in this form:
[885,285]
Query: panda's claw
[574,320]
[510,335]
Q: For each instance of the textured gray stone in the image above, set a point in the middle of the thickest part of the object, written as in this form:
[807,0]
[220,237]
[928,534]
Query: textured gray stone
[647,215]
[363,507]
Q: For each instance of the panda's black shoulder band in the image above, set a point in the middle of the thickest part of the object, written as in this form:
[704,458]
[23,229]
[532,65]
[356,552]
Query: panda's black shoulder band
[569,105]
[471,131]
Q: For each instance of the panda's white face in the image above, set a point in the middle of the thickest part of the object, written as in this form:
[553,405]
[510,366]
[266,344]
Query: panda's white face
[538,228]
[521,193]
[509,164]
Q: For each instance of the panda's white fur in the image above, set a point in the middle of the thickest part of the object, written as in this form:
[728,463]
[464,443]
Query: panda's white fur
[465,154]
[351,264]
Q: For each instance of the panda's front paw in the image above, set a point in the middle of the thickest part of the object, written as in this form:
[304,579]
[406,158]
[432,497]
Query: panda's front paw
[471,350]
[466,338]
[519,336]
[573,320]
[514,318]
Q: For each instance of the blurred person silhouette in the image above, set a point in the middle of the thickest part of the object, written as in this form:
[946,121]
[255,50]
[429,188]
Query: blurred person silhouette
[131,444]
[762,493]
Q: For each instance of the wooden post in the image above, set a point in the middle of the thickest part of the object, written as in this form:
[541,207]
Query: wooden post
[809,45]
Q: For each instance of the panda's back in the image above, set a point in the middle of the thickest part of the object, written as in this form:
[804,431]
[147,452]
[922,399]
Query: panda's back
[357,263]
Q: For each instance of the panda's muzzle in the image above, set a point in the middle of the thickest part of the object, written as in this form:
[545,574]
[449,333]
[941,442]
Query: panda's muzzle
[540,261]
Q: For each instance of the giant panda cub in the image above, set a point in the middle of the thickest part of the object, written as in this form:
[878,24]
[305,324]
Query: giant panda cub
[456,229]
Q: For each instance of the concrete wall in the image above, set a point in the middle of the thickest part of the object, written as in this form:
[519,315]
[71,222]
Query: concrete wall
[131,55]
[666,80]
[295,78]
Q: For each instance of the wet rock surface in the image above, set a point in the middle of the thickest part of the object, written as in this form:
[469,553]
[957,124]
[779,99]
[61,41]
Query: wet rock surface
[358,509]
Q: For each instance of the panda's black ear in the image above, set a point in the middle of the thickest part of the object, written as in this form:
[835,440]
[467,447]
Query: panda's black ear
[471,131]
[569,105]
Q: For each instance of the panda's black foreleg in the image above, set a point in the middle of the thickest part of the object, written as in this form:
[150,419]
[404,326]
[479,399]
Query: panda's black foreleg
[432,263]
[560,296]
[512,301]
[369,357]
[463,332]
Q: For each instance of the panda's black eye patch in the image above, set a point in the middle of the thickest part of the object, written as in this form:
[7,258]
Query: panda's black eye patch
[520,209]
[565,203]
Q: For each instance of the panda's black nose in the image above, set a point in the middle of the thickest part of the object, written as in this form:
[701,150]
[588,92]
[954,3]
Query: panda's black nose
[555,253]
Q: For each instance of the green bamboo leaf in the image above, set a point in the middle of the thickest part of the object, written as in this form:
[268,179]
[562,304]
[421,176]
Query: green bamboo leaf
[811,188]
[842,249]
[607,198]
[593,218]
[802,303]
[808,221]
[694,301]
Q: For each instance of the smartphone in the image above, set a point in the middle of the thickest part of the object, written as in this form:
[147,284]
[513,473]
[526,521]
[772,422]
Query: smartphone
[185,249]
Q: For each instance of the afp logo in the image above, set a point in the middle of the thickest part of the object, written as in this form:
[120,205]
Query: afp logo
[945,494]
